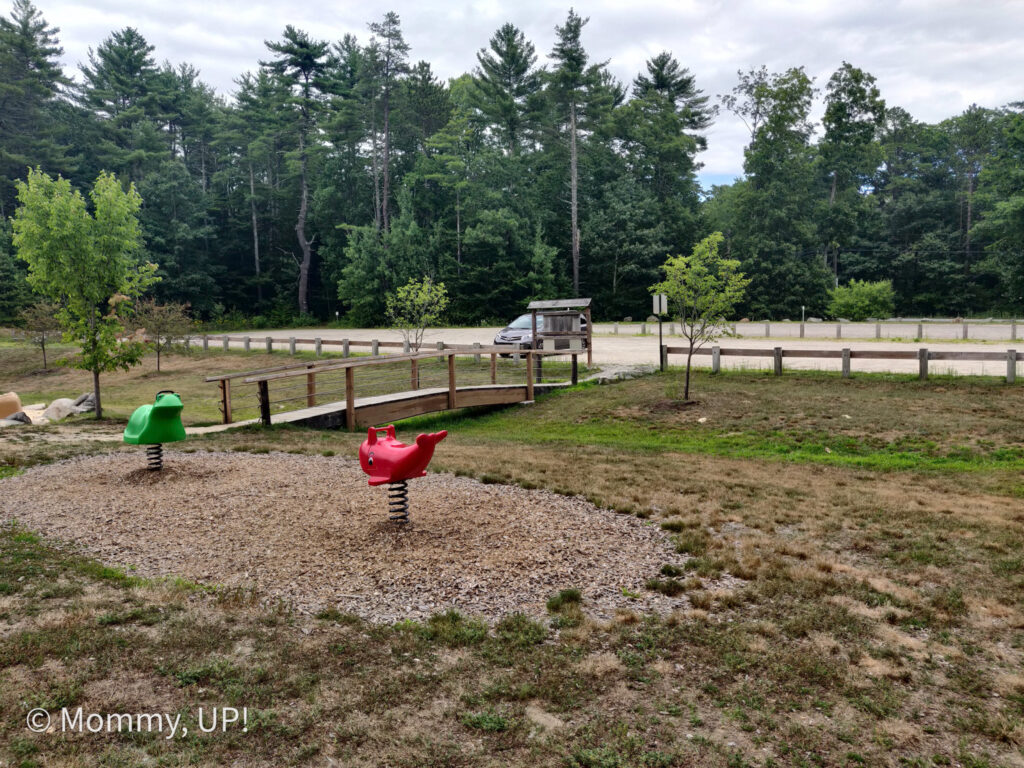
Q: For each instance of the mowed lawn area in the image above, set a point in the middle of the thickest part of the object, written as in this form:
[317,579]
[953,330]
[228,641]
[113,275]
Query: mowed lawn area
[873,530]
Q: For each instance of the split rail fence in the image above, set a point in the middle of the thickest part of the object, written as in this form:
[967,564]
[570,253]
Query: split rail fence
[923,356]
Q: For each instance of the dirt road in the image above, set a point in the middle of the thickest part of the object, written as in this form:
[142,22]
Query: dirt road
[610,348]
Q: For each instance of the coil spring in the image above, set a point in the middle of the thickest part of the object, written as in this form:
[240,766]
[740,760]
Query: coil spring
[398,502]
[155,457]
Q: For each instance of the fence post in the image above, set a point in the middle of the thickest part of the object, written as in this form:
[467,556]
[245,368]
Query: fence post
[225,399]
[664,357]
[350,399]
[716,359]
[778,361]
[575,370]
[440,348]
[965,329]
[920,330]
[451,383]
[615,328]
[245,343]
[415,374]
[846,363]
[476,357]
[374,347]
[1011,366]
[406,349]
[319,346]
[529,375]
[225,341]
[206,343]
[767,329]
[264,394]
[515,353]
[345,351]
[878,330]
[270,344]
[291,346]
[494,367]
[1013,330]
[801,329]
[922,363]
[839,330]
[643,329]
[310,389]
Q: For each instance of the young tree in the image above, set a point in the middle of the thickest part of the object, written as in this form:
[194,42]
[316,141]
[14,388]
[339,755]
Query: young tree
[40,320]
[416,306]
[88,262]
[164,324]
[703,288]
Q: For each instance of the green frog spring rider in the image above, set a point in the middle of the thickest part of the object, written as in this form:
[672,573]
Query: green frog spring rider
[156,424]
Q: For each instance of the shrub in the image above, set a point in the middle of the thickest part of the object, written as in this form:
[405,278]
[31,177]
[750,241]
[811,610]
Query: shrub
[860,299]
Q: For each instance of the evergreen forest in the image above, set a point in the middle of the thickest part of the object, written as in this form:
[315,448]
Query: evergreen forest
[338,170]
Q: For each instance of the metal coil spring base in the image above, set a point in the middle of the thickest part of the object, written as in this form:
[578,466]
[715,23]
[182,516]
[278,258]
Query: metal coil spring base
[155,457]
[398,502]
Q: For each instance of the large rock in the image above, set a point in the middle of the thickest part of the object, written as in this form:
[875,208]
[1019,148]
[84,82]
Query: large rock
[60,408]
[86,403]
[9,403]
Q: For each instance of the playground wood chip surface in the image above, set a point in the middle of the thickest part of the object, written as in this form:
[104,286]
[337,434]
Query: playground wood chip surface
[308,529]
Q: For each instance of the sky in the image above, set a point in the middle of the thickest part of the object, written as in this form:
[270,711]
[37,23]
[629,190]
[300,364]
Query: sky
[934,58]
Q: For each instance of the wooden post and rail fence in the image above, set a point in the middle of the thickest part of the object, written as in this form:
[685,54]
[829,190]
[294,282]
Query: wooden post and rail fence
[922,355]
[447,396]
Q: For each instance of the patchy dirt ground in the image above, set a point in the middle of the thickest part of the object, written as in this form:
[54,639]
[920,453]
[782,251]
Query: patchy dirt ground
[310,531]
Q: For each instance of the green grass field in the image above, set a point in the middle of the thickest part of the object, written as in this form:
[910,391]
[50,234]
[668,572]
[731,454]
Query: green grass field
[870,530]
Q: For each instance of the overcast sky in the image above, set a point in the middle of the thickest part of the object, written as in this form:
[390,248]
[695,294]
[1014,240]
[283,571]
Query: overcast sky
[932,57]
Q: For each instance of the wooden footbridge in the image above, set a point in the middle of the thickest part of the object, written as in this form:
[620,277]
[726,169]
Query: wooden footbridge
[364,391]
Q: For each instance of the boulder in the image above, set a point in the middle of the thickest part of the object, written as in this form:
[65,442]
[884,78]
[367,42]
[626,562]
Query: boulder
[20,416]
[86,403]
[9,403]
[60,408]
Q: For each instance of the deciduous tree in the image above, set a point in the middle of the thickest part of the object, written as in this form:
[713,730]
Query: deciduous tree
[87,261]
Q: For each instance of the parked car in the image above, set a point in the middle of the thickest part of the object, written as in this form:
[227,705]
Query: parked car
[520,331]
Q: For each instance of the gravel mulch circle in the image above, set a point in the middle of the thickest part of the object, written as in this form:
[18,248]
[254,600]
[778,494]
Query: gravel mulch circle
[308,529]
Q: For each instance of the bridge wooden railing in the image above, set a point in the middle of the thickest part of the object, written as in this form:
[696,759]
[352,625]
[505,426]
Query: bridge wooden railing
[311,383]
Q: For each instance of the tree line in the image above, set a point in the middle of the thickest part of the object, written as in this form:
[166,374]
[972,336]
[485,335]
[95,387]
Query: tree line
[339,170]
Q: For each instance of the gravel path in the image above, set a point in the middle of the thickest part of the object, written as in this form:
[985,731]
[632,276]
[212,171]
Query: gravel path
[309,530]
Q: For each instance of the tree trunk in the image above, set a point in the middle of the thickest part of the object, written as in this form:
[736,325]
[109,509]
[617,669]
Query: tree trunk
[375,162]
[385,192]
[255,235]
[967,232]
[158,354]
[300,231]
[42,345]
[686,387]
[458,230]
[575,209]
[96,394]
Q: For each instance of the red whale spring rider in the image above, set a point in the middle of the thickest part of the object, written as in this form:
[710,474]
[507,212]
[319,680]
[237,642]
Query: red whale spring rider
[386,460]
